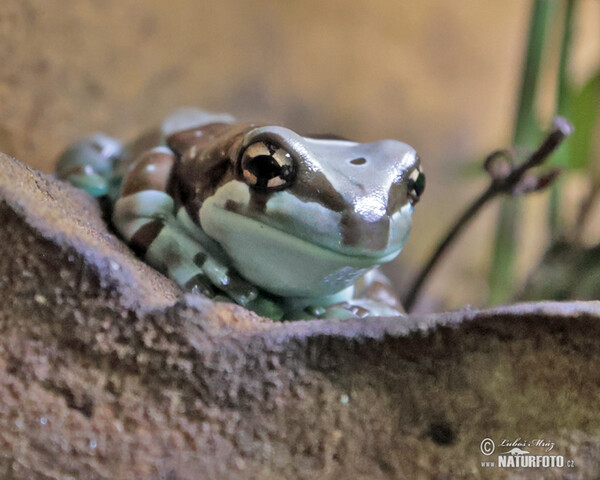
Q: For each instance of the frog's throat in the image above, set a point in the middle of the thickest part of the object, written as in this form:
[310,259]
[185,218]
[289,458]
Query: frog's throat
[280,262]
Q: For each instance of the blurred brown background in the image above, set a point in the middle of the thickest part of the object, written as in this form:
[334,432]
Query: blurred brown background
[441,76]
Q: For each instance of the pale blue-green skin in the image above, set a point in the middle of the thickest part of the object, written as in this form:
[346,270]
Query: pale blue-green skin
[267,255]
[293,250]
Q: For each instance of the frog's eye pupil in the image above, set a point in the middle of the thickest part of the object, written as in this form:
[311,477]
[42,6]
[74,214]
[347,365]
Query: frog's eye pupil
[416,185]
[266,167]
[420,184]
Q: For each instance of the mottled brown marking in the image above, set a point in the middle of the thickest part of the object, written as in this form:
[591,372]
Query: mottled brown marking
[149,139]
[151,172]
[258,201]
[356,231]
[200,258]
[232,206]
[191,204]
[197,137]
[396,197]
[313,186]
[143,238]
[377,287]
[205,162]
[358,311]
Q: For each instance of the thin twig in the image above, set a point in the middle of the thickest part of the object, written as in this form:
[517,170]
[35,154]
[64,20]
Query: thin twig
[512,180]
[585,210]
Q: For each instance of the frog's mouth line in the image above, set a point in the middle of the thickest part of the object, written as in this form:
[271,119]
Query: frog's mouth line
[212,216]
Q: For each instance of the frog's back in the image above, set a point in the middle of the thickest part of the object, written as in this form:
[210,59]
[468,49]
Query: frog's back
[98,162]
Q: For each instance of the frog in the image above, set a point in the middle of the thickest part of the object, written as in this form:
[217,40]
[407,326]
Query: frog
[288,225]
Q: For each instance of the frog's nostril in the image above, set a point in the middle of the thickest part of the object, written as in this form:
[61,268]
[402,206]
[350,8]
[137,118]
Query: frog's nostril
[359,161]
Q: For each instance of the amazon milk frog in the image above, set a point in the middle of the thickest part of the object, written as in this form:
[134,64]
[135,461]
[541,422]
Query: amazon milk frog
[281,223]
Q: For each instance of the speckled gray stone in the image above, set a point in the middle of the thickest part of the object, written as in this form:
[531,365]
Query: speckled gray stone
[108,371]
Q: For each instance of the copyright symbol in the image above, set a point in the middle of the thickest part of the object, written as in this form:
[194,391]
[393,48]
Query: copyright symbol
[487,446]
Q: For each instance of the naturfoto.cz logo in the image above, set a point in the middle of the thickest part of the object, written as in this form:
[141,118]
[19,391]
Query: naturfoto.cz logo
[518,454]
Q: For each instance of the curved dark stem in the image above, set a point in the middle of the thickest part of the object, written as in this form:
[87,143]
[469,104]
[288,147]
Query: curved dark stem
[585,210]
[467,215]
[514,182]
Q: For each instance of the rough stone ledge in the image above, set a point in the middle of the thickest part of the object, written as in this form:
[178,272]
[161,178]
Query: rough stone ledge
[108,371]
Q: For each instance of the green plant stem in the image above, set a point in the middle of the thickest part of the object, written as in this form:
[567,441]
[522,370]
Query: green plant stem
[563,97]
[501,278]
[563,90]
[525,126]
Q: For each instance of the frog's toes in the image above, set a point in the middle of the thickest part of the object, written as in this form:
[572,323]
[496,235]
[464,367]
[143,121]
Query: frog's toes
[238,289]
[225,279]
[266,308]
[216,271]
[201,284]
[339,313]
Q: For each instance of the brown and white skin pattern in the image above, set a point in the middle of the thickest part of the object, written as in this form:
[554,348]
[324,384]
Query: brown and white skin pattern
[281,223]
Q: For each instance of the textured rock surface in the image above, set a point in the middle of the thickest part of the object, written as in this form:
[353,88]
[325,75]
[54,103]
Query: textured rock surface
[108,371]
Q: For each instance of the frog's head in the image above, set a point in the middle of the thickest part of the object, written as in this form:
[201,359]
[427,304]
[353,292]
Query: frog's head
[305,217]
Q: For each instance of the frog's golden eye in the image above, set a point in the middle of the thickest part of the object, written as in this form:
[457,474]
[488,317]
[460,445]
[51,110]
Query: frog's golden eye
[415,185]
[267,167]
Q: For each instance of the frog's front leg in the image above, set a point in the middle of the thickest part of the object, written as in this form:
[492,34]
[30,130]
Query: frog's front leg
[371,296]
[375,292]
[146,216]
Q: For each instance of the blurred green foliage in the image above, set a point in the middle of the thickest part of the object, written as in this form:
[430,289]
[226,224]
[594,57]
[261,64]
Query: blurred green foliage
[581,105]
[582,110]
[526,133]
